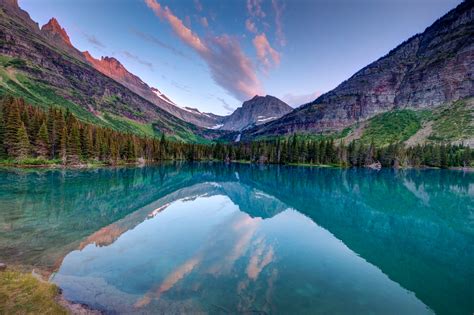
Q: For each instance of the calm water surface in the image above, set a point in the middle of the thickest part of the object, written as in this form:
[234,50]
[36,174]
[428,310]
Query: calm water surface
[213,238]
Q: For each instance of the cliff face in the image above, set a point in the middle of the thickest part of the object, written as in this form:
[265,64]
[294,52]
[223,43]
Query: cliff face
[425,71]
[53,30]
[256,111]
[49,70]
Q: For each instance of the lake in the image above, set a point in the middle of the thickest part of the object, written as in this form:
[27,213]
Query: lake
[216,238]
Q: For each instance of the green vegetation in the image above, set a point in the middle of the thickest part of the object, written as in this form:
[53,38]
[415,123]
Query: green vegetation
[24,294]
[31,136]
[454,122]
[393,127]
[129,126]
[36,93]
[15,81]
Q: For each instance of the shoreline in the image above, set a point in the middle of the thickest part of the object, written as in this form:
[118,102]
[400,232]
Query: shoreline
[37,284]
[85,166]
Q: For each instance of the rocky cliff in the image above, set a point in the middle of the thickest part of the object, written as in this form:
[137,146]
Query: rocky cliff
[256,111]
[38,65]
[428,70]
[112,68]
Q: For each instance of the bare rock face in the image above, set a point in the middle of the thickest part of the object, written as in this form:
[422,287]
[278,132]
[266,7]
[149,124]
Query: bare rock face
[256,111]
[112,68]
[99,86]
[52,63]
[425,71]
[53,30]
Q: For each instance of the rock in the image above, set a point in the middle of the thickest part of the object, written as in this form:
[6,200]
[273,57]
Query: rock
[375,166]
[256,111]
[3,267]
[425,71]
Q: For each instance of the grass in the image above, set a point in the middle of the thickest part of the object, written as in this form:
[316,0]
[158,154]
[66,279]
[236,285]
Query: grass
[16,82]
[454,122]
[24,294]
[130,126]
[36,93]
[30,161]
[394,126]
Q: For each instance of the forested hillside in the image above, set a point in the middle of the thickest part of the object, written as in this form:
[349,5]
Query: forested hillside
[29,135]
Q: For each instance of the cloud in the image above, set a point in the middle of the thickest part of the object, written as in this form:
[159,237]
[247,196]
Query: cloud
[180,86]
[250,26]
[254,7]
[93,40]
[203,21]
[131,56]
[226,105]
[229,66]
[198,5]
[266,55]
[278,23]
[297,100]
[152,39]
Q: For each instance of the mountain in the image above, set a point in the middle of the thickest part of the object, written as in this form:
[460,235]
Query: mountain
[430,69]
[256,111]
[55,32]
[41,66]
[112,68]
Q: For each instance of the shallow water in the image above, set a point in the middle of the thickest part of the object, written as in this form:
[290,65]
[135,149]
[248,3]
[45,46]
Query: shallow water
[217,238]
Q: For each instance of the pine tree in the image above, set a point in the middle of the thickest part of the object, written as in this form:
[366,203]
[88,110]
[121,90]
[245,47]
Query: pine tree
[62,147]
[73,147]
[3,152]
[22,148]
[12,126]
[42,142]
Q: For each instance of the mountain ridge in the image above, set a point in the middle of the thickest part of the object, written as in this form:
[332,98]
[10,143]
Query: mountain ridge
[113,68]
[425,71]
[44,73]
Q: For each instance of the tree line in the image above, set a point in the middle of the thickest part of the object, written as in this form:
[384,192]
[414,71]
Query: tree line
[28,132]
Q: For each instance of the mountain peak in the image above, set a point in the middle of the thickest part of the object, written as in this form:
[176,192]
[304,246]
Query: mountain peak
[54,30]
[12,7]
[256,111]
[110,67]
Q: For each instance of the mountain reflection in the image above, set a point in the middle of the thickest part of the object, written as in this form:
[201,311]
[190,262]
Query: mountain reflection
[226,238]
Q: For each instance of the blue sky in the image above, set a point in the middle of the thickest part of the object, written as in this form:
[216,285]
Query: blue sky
[215,54]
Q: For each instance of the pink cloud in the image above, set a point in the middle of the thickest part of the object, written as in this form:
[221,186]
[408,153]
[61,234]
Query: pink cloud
[254,7]
[250,26]
[278,23]
[266,55]
[229,66]
[183,32]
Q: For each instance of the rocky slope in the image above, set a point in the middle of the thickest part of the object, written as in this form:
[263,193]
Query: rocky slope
[256,111]
[430,69]
[112,68]
[38,65]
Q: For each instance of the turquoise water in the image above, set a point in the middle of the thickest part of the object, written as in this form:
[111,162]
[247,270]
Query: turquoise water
[214,238]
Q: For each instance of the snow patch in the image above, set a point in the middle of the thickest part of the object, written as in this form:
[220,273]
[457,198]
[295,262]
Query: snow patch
[238,138]
[162,96]
[217,126]
[265,119]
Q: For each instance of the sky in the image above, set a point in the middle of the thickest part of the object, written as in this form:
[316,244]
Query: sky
[215,54]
